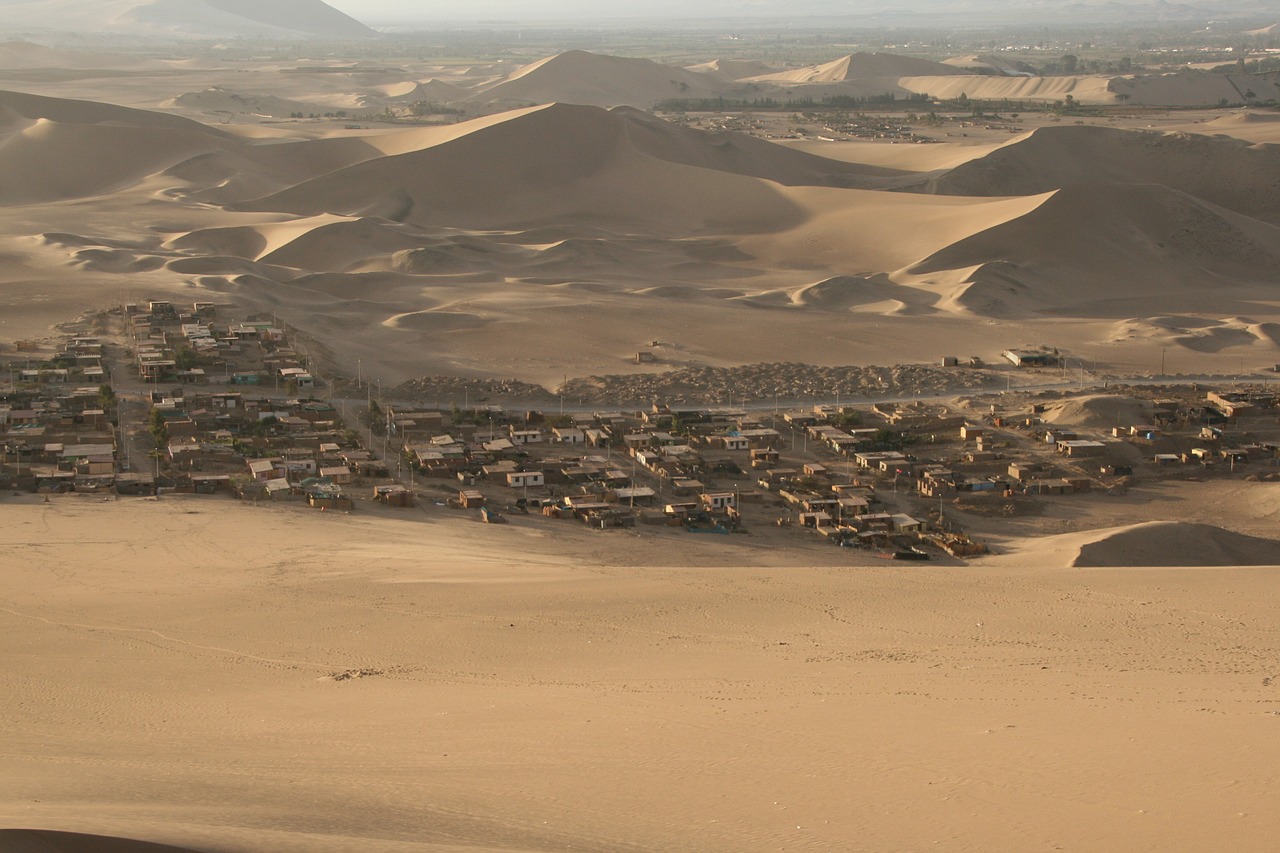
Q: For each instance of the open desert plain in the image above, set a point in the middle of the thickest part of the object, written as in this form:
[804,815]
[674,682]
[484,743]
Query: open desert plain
[473,439]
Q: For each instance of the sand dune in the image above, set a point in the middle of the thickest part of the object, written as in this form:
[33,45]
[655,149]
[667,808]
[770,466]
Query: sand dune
[1229,173]
[1196,88]
[897,161]
[1249,125]
[435,90]
[733,69]
[340,245]
[987,62]
[861,65]
[579,77]
[1098,410]
[578,162]
[55,148]
[1086,90]
[861,231]
[1153,543]
[1111,249]
[1175,544]
[50,161]
[70,111]
[219,100]
[1197,333]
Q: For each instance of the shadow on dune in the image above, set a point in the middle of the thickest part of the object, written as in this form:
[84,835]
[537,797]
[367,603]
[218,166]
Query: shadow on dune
[53,841]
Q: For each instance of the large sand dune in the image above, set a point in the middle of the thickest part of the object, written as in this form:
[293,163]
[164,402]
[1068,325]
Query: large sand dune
[1111,250]
[579,77]
[1229,173]
[579,164]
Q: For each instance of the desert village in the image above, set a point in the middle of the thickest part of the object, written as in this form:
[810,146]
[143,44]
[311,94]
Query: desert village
[181,401]
[829,432]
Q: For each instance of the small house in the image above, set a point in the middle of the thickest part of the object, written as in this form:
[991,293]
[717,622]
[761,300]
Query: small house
[525,479]
[719,501]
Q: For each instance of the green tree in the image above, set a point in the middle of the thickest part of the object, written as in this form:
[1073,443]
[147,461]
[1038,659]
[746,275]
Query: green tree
[106,398]
[158,428]
[185,358]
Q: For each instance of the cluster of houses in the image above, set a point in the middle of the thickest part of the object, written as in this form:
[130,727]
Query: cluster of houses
[261,447]
[580,465]
[183,346]
[79,362]
[589,466]
[56,438]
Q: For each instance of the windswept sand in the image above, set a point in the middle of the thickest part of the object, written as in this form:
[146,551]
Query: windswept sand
[215,676]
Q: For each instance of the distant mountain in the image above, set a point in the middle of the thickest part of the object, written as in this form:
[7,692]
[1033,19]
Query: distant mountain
[182,18]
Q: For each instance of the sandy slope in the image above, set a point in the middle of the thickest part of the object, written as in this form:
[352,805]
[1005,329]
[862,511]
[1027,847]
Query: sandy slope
[1153,543]
[1196,89]
[1228,173]
[579,77]
[1249,125]
[1106,242]
[733,69]
[324,683]
[858,65]
[578,164]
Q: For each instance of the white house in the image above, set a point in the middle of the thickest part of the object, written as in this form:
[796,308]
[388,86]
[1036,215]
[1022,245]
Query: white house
[524,479]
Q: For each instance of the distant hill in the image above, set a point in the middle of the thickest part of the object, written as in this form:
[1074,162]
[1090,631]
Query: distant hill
[183,18]
[856,66]
[579,77]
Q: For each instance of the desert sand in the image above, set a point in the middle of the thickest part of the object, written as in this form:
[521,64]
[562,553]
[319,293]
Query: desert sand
[217,676]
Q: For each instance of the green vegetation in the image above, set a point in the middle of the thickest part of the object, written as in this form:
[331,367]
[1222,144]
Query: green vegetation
[695,105]
[106,398]
[158,429]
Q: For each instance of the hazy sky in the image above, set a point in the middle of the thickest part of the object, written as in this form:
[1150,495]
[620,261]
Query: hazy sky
[372,11]
[378,11]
